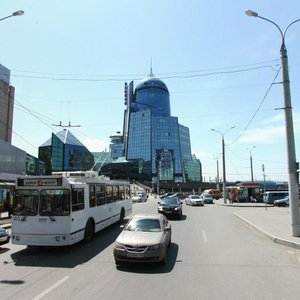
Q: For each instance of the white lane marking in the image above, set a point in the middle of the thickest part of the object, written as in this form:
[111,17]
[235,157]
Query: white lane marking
[48,290]
[204,236]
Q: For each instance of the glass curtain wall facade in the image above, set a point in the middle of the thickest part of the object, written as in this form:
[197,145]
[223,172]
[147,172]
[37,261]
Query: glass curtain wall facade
[155,136]
[63,152]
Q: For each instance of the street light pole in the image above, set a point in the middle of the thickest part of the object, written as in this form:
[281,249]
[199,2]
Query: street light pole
[218,177]
[290,140]
[14,14]
[251,166]
[223,160]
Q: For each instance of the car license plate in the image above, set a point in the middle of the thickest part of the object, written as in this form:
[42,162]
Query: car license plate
[135,254]
[168,212]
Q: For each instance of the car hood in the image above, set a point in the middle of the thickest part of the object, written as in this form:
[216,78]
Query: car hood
[139,238]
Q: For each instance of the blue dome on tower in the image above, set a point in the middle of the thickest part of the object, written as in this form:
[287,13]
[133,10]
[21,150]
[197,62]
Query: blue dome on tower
[154,94]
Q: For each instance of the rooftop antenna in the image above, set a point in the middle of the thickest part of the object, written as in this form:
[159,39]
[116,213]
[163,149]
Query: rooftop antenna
[151,73]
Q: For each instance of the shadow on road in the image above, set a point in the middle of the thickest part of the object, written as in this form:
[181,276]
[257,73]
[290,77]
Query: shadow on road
[68,256]
[152,268]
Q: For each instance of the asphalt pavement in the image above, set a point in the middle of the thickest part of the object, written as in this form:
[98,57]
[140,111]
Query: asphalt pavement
[272,222]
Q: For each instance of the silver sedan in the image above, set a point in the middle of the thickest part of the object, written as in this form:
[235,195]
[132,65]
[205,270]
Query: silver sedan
[194,200]
[144,239]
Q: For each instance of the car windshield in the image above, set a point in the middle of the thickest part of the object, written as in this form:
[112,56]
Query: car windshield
[195,197]
[146,225]
[169,200]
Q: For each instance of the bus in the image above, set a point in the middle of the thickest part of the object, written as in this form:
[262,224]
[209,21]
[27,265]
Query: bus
[65,208]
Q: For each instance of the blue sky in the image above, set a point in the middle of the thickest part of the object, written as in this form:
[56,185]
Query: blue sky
[69,61]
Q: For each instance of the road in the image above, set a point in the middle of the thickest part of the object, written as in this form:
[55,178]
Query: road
[213,256]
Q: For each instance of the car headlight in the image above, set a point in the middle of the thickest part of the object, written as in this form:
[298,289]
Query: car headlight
[155,247]
[177,208]
[119,246]
[160,208]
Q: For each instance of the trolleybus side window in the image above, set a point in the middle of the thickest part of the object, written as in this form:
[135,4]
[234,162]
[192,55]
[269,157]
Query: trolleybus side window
[92,196]
[100,194]
[25,202]
[116,193]
[108,194]
[54,202]
[77,199]
[127,192]
[122,192]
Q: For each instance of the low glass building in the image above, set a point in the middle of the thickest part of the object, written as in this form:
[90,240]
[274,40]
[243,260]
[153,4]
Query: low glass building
[64,152]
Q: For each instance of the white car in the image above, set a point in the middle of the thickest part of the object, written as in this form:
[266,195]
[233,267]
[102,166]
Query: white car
[141,197]
[207,198]
[194,200]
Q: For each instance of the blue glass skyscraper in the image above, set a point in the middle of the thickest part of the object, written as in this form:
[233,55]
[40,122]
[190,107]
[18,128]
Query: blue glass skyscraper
[151,134]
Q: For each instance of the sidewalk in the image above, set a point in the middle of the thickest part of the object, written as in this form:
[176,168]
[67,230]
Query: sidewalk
[273,222]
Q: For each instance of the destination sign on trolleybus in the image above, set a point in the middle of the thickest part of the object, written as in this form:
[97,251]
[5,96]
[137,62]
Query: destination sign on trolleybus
[40,182]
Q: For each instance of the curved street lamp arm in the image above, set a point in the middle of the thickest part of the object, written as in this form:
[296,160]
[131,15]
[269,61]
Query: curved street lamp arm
[284,33]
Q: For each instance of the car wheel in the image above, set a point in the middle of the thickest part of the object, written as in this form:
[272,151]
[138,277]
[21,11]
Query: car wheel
[283,204]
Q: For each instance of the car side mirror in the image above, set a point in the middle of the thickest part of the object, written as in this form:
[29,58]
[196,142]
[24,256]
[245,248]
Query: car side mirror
[168,228]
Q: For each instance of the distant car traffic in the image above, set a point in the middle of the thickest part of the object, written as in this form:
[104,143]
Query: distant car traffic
[194,200]
[179,195]
[4,236]
[165,195]
[207,198]
[282,202]
[141,197]
[145,238]
[170,206]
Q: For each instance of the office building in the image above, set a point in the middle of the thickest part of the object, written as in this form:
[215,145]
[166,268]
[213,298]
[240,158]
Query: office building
[155,137]
[7,98]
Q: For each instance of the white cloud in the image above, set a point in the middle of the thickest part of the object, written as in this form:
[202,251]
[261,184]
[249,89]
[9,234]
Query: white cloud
[270,135]
[279,118]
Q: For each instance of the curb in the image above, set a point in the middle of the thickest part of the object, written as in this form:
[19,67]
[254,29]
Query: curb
[268,235]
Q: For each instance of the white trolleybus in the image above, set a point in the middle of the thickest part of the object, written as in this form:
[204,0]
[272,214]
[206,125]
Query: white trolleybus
[65,208]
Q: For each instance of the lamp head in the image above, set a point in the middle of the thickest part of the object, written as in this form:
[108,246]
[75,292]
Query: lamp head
[18,13]
[251,13]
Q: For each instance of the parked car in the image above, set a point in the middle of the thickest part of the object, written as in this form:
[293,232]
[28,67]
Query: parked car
[170,206]
[282,202]
[145,238]
[271,196]
[4,236]
[194,200]
[207,198]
